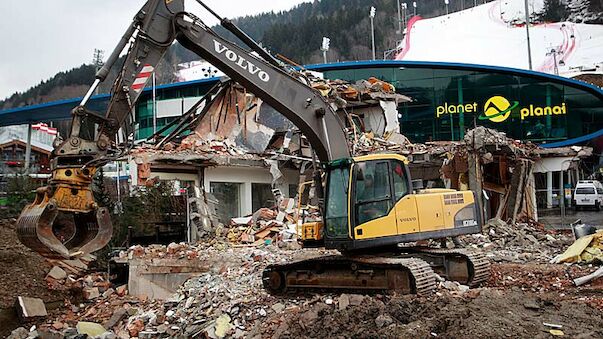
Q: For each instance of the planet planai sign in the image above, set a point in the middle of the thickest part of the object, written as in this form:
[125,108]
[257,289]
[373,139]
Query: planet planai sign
[498,109]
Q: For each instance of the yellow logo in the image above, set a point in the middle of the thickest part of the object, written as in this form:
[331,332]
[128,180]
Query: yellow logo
[497,109]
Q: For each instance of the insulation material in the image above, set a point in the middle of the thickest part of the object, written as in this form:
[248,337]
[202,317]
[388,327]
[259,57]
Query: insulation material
[390,110]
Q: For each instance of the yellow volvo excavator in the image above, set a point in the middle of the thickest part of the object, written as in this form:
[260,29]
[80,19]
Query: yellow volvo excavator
[368,205]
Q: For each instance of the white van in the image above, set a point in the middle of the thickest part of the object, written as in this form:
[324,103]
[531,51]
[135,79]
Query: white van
[588,193]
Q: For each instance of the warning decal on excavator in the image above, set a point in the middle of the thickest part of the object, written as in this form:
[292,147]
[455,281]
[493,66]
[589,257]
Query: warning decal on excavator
[141,79]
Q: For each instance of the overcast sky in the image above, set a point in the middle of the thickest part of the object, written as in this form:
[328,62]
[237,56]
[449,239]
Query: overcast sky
[43,37]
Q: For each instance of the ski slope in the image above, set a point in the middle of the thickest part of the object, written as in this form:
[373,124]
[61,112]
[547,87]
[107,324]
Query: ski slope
[494,34]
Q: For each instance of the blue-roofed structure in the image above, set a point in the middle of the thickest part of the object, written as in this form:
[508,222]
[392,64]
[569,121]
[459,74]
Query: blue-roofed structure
[448,99]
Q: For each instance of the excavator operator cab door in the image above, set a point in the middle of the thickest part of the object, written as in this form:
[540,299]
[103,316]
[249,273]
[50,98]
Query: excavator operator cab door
[361,200]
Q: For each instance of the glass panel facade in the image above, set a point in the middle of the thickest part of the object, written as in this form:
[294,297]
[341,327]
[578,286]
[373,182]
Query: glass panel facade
[448,102]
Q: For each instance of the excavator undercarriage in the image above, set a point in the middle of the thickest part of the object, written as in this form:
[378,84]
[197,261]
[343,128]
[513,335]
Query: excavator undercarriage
[409,271]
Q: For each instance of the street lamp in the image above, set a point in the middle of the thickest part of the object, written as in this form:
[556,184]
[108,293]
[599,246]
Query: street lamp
[414,5]
[446,2]
[325,47]
[372,16]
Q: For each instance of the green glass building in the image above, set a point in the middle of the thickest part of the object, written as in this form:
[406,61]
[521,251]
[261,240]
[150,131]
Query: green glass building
[449,98]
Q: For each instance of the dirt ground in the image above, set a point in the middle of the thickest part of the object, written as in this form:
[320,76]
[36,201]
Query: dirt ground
[515,303]
[23,270]
[482,313]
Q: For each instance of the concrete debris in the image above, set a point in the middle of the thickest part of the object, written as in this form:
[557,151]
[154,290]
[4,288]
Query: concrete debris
[30,307]
[90,328]
[519,242]
[266,226]
[19,333]
[90,293]
[56,273]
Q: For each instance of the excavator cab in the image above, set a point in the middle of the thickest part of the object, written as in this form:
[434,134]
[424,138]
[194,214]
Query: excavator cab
[370,203]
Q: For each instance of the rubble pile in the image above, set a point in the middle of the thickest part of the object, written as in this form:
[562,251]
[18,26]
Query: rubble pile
[267,226]
[480,138]
[228,298]
[69,273]
[519,242]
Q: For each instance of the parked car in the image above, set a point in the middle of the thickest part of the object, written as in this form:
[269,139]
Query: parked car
[588,193]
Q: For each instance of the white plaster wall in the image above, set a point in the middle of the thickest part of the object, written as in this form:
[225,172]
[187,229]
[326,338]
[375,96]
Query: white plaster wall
[555,164]
[246,176]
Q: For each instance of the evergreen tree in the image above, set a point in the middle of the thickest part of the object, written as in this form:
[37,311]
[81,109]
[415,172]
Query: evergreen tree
[553,11]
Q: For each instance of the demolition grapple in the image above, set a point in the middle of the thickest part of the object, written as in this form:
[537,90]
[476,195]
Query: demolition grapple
[64,221]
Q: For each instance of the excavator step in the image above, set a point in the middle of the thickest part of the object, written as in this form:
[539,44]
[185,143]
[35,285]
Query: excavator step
[360,273]
[467,266]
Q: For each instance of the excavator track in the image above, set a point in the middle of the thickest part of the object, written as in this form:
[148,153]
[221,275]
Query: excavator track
[360,273]
[468,267]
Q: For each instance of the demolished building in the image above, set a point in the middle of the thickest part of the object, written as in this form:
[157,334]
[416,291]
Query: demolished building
[232,155]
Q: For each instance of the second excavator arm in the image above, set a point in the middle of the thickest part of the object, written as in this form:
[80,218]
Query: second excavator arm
[64,220]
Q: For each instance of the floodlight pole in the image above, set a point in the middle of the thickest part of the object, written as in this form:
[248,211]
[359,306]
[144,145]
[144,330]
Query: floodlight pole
[372,17]
[399,18]
[528,34]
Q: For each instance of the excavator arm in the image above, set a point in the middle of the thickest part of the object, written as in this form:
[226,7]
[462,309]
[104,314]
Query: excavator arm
[64,220]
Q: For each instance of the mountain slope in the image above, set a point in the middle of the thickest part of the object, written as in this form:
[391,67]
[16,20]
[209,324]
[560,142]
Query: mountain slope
[501,40]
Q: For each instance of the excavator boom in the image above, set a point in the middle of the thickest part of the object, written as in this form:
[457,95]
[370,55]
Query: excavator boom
[64,220]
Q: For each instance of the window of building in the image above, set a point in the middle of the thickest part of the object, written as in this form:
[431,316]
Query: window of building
[229,197]
[261,196]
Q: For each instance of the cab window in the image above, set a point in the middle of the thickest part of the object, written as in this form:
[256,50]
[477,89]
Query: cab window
[372,194]
[400,180]
[336,215]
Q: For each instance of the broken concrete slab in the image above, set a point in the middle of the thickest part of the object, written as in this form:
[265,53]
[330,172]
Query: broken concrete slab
[90,293]
[18,333]
[160,278]
[56,273]
[344,301]
[90,328]
[30,307]
[116,317]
